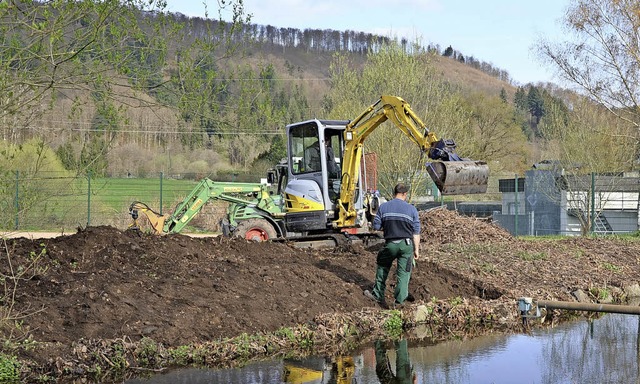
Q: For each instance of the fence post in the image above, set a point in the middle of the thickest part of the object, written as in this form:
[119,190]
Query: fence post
[516,202]
[161,177]
[88,198]
[593,202]
[17,200]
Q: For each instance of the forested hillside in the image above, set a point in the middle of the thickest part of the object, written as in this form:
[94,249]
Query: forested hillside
[124,88]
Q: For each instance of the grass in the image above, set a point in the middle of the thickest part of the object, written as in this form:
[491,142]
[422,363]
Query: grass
[67,203]
[611,267]
[115,194]
[531,256]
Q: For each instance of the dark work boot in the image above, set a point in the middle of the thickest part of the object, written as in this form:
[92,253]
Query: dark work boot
[368,294]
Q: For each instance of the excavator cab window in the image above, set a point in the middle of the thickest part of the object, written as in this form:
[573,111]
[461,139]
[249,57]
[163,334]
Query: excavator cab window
[305,148]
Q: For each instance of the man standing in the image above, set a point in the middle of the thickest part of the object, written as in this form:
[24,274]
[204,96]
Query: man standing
[401,226]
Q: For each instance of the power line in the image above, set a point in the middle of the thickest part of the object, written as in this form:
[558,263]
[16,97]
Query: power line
[164,132]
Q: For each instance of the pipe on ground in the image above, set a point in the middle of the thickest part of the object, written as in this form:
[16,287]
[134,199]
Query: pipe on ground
[608,308]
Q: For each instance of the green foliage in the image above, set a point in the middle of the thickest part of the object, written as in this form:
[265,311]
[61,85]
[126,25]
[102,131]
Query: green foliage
[300,338]
[9,369]
[535,103]
[83,41]
[33,156]
[520,99]
[26,172]
[393,324]
[456,301]
[180,355]
[276,152]
[67,156]
[492,118]
[503,95]
[93,157]
[600,293]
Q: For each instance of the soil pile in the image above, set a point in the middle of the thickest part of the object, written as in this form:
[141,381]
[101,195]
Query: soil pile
[103,283]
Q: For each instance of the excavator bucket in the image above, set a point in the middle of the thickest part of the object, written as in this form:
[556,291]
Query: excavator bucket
[155,219]
[459,177]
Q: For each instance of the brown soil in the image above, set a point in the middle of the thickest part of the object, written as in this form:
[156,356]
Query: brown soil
[103,283]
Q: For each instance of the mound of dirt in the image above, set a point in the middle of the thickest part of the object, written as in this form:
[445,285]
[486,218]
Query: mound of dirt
[103,283]
[441,226]
[106,283]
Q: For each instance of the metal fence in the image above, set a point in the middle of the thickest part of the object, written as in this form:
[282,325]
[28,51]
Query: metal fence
[51,201]
[61,202]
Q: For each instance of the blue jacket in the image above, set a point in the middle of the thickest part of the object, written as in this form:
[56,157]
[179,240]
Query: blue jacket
[397,219]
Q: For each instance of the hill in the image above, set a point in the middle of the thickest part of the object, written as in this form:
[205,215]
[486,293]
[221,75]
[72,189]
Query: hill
[213,98]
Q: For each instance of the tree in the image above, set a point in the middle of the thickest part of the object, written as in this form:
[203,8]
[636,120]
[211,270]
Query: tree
[501,139]
[520,99]
[116,51]
[603,59]
[392,71]
[59,46]
[535,104]
[448,52]
[503,95]
[584,140]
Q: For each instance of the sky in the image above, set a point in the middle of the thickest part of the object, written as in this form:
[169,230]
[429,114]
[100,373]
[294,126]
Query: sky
[500,32]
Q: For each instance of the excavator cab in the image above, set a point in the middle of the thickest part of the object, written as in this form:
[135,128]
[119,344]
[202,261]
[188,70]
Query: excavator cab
[315,173]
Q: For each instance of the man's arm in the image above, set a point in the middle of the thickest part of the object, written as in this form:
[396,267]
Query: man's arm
[377,221]
[416,234]
[416,247]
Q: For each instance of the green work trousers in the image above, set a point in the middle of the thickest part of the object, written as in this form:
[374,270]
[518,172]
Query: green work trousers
[403,252]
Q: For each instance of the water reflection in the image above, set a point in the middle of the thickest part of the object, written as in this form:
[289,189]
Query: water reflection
[403,372]
[600,351]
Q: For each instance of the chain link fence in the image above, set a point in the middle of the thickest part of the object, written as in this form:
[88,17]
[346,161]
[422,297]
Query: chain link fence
[60,202]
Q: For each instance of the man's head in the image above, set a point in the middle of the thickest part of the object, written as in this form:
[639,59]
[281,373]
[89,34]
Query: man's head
[400,191]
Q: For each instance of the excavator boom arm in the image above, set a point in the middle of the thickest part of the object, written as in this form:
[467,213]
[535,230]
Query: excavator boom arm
[204,191]
[470,177]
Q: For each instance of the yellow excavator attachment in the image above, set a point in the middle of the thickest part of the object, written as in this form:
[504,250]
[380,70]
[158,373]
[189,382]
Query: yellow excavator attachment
[459,177]
[155,219]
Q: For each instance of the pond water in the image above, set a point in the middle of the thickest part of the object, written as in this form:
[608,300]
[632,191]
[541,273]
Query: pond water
[605,350]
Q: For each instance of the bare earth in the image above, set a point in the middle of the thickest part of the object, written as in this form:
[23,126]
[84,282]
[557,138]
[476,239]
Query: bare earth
[103,283]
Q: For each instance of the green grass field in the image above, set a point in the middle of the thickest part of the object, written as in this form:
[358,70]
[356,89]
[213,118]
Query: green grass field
[53,203]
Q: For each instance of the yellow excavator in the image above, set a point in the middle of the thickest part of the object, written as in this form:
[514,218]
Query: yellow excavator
[316,195]
[337,370]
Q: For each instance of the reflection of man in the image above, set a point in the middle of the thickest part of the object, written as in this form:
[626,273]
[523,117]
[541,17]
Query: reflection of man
[404,373]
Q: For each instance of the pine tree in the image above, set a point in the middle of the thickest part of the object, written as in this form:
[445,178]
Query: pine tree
[535,102]
[503,95]
[520,99]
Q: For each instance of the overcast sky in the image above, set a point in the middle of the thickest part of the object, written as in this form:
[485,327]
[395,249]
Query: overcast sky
[500,32]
